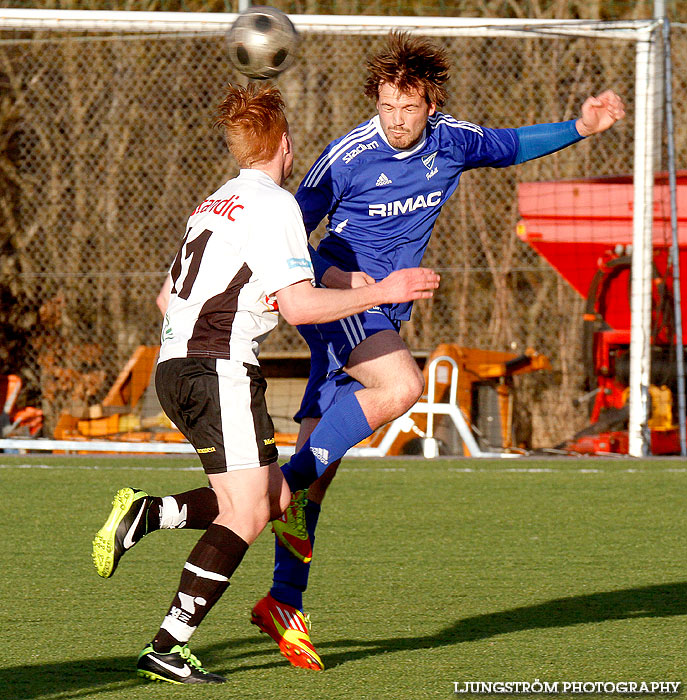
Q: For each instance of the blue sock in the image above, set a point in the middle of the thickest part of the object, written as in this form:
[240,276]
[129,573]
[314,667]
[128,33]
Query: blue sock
[290,578]
[342,426]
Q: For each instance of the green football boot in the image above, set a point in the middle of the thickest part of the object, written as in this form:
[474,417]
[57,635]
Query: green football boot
[177,666]
[124,527]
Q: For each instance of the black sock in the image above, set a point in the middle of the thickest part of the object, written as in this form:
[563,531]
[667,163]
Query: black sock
[204,579]
[191,510]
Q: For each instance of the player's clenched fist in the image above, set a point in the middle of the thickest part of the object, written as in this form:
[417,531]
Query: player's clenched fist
[600,113]
[409,284]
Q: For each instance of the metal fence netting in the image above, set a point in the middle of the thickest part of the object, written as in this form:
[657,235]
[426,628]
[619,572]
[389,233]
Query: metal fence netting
[107,146]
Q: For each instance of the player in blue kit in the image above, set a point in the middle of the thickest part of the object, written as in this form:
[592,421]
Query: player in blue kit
[381,188]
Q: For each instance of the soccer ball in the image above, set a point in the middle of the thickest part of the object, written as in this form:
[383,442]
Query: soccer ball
[262,42]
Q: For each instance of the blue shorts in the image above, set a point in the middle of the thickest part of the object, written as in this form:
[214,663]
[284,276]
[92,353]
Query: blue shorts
[330,347]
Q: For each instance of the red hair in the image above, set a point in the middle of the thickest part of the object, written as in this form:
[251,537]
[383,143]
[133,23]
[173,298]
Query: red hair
[253,120]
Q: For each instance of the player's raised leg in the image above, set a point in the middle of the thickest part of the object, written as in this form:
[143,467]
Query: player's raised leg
[391,383]
[135,514]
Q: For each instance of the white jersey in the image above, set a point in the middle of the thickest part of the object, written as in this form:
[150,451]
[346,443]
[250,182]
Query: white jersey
[243,243]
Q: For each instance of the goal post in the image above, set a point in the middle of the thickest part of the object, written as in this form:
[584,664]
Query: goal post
[20,27]
[647,72]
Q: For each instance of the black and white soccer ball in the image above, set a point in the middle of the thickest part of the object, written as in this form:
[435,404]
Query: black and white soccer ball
[262,42]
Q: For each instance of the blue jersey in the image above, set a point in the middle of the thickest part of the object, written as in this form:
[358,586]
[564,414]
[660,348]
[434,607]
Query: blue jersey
[382,202]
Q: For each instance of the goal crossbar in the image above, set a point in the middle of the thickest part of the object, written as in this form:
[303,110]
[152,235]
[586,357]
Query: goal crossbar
[213,22]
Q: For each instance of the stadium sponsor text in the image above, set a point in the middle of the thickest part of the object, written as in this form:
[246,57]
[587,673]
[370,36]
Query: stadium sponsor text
[348,157]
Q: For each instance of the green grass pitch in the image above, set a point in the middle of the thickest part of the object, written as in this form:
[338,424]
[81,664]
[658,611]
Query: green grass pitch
[426,573]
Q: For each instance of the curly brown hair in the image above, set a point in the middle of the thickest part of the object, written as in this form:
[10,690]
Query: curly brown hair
[253,120]
[409,62]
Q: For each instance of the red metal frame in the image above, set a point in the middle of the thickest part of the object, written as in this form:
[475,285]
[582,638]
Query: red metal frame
[583,228]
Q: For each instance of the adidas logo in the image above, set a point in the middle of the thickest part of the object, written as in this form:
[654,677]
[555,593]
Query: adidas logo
[383,180]
[321,454]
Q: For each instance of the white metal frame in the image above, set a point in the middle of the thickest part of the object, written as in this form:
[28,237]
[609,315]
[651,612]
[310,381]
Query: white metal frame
[643,32]
[646,85]
[432,408]
[71,446]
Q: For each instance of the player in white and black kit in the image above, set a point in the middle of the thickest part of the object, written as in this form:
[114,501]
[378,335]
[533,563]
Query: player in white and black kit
[236,252]
[244,256]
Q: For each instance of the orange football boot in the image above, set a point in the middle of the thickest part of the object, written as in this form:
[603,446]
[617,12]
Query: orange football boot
[290,630]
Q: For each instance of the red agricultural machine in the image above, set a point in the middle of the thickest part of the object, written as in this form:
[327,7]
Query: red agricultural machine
[583,228]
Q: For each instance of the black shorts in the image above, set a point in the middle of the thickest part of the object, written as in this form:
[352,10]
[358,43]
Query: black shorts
[219,406]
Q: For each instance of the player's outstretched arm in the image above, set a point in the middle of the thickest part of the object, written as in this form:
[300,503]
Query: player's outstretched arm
[301,303]
[600,113]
